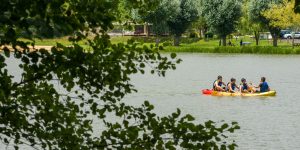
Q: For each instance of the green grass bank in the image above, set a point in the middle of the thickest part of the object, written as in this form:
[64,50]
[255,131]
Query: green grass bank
[237,50]
[196,45]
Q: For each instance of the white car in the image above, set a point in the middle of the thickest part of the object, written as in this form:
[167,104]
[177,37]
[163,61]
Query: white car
[290,35]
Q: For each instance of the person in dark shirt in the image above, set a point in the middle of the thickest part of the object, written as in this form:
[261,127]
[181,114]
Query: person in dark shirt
[263,85]
[231,86]
[245,88]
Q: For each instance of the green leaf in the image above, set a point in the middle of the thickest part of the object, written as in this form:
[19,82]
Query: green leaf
[6,51]
[190,117]
[234,123]
[223,147]
[161,48]
[224,126]
[142,65]
[146,103]
[173,55]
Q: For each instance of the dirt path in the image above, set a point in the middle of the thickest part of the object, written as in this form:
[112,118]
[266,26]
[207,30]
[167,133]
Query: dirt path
[31,48]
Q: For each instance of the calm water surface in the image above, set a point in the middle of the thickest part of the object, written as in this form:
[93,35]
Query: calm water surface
[267,123]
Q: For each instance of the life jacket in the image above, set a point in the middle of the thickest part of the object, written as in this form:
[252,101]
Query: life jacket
[264,87]
[245,86]
[219,84]
[233,85]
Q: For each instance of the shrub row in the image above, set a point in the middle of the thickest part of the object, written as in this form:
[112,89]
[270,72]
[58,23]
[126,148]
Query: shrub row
[166,39]
[243,49]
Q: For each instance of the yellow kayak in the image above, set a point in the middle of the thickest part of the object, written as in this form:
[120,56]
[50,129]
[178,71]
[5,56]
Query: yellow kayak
[270,93]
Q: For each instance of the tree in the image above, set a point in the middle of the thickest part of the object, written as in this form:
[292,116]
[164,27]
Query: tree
[201,26]
[247,26]
[255,13]
[62,91]
[290,19]
[222,16]
[159,17]
[182,20]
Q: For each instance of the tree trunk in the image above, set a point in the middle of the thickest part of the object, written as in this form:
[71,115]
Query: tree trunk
[275,39]
[146,29]
[293,42]
[176,40]
[200,33]
[275,34]
[256,35]
[157,42]
[224,41]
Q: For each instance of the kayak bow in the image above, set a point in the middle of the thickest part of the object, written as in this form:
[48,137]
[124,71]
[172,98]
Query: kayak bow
[207,91]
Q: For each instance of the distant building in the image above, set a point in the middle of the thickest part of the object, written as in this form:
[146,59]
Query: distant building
[142,30]
[265,36]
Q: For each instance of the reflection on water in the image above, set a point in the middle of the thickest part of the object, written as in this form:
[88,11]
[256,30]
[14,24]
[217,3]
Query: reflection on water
[266,122]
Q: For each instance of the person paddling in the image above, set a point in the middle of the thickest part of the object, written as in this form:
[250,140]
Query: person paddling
[231,86]
[245,88]
[263,85]
[217,86]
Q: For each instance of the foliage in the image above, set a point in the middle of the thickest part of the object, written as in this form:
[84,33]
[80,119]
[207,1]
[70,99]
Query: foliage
[297,6]
[193,35]
[62,91]
[130,12]
[256,9]
[201,27]
[277,20]
[236,50]
[169,39]
[222,16]
[288,20]
[159,17]
[247,25]
[182,20]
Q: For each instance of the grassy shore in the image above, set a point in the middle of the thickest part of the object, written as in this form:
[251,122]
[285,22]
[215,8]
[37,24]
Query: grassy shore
[196,45]
[242,49]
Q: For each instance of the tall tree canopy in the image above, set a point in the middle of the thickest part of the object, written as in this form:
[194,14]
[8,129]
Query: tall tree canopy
[61,92]
[160,15]
[282,15]
[183,19]
[248,26]
[222,16]
[256,9]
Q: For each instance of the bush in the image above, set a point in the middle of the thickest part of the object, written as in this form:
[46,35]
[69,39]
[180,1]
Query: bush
[209,35]
[167,43]
[237,50]
[164,39]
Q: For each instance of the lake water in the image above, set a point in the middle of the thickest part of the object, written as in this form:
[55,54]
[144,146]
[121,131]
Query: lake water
[267,123]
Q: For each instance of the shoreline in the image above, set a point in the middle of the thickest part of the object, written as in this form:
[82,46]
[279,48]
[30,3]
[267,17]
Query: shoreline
[263,50]
[269,50]
[31,48]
